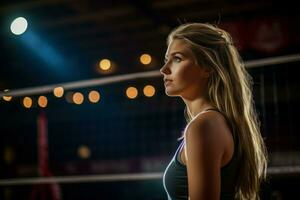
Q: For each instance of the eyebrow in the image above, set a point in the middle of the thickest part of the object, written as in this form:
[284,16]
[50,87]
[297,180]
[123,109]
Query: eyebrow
[176,52]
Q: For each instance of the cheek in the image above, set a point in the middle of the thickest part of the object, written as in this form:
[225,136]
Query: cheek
[188,75]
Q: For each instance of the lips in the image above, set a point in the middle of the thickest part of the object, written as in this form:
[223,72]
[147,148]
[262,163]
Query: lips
[167,81]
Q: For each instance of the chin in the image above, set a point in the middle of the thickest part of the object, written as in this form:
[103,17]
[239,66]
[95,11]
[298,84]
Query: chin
[171,93]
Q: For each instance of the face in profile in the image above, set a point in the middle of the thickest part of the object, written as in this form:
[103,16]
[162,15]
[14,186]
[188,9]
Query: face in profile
[182,75]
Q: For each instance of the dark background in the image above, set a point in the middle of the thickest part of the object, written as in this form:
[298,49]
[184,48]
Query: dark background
[136,136]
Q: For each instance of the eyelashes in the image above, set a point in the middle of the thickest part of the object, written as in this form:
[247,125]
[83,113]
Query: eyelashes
[174,59]
[177,59]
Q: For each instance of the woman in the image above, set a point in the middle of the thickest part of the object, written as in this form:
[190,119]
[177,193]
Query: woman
[222,154]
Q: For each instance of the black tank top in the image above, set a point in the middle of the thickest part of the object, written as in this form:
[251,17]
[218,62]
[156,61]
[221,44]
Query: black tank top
[175,176]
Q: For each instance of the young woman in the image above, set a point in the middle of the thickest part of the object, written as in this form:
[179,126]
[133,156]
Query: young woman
[222,154]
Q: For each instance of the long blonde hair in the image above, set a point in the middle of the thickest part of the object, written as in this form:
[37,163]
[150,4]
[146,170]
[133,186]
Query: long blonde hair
[230,91]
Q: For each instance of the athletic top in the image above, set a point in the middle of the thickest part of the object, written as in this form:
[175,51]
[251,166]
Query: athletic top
[175,176]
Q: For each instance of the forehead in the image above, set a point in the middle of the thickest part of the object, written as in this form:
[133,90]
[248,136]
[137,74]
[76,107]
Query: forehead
[178,45]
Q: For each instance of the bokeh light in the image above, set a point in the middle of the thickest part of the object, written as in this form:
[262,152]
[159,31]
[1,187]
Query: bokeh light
[19,26]
[131,92]
[84,152]
[42,101]
[58,91]
[149,91]
[105,64]
[78,98]
[7,98]
[145,59]
[27,102]
[94,96]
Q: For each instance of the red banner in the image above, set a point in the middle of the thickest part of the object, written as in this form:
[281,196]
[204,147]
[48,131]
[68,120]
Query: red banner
[44,191]
[268,35]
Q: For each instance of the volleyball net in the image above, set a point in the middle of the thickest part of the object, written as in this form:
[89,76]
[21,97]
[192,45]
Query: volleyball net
[107,131]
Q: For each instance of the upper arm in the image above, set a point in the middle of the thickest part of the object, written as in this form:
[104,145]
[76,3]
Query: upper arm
[204,150]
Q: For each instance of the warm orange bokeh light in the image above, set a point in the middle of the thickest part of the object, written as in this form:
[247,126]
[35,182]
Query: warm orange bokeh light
[78,98]
[149,90]
[58,91]
[7,98]
[84,152]
[27,102]
[94,96]
[42,101]
[131,92]
[145,59]
[105,64]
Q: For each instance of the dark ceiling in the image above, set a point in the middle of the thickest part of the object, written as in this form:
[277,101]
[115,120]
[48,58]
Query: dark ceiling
[82,32]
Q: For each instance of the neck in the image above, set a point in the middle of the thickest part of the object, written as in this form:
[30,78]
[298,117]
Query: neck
[197,105]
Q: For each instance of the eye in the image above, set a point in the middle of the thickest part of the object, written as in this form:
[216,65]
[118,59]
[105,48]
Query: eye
[177,59]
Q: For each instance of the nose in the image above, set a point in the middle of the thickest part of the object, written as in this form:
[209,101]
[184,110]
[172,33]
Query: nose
[164,70]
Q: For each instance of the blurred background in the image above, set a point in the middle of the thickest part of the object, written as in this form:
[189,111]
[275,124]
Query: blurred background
[113,139]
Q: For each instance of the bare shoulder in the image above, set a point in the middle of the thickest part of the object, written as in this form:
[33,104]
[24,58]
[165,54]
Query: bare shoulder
[208,132]
[208,122]
[205,147]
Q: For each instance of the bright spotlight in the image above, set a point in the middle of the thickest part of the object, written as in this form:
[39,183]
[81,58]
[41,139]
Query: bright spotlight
[18,26]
